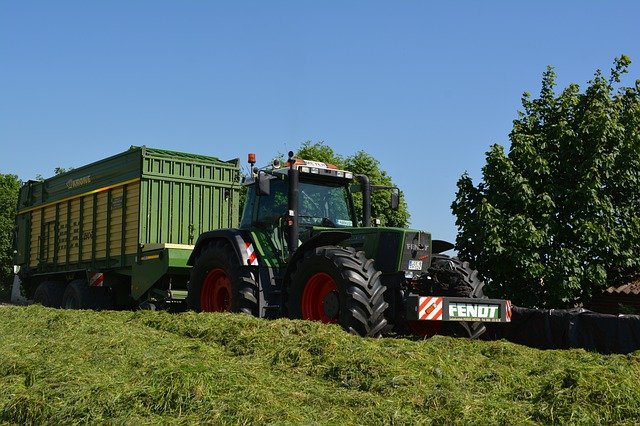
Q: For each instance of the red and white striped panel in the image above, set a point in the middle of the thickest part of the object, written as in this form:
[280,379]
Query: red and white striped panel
[251,253]
[430,308]
[508,313]
[96,279]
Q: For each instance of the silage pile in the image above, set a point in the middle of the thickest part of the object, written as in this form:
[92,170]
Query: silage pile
[60,366]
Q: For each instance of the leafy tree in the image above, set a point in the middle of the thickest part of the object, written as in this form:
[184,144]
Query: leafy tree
[361,163]
[9,188]
[318,151]
[557,219]
[57,171]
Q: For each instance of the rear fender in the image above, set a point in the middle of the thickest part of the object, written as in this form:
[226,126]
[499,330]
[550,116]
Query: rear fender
[233,236]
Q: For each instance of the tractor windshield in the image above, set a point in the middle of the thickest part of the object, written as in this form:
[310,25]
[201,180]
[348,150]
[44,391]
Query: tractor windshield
[320,204]
[323,204]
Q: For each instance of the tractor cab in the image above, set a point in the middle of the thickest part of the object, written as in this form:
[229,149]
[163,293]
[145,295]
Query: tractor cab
[298,201]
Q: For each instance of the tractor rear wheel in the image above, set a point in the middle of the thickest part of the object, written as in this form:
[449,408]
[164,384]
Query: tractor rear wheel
[338,285]
[454,277]
[218,283]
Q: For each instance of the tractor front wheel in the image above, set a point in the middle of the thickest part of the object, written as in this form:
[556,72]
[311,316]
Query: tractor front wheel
[338,285]
[454,277]
[218,282]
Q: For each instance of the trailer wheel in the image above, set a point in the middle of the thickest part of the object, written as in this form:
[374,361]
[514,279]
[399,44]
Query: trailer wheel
[338,285]
[78,295]
[49,293]
[454,277]
[218,282]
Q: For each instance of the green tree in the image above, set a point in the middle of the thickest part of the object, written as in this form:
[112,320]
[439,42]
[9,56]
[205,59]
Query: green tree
[365,164]
[318,151]
[9,188]
[362,163]
[57,171]
[557,219]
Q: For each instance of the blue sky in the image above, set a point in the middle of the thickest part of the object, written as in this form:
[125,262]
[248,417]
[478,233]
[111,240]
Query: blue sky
[425,87]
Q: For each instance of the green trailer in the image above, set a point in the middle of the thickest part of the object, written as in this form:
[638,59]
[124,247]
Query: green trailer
[118,232]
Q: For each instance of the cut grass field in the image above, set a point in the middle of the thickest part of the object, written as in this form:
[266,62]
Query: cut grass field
[63,367]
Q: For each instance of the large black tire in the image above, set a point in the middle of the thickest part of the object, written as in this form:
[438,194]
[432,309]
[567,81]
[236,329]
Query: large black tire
[49,293]
[454,277]
[219,283]
[78,295]
[338,285]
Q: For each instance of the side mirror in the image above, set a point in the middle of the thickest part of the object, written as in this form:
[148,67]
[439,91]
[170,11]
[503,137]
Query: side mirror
[395,199]
[263,186]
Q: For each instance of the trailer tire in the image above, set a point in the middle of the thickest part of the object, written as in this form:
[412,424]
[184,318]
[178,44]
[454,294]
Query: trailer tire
[338,285]
[78,295]
[219,283]
[49,294]
[455,278]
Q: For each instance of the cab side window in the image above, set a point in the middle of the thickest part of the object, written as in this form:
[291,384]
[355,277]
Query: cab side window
[247,212]
[272,206]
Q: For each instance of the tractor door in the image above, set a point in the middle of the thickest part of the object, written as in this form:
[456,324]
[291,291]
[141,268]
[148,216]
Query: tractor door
[265,214]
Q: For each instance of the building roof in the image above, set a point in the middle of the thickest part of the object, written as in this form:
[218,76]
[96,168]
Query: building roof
[629,288]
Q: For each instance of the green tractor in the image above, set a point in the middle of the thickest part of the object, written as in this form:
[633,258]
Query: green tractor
[300,252]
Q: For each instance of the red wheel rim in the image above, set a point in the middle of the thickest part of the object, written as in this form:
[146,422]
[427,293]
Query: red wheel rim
[425,328]
[215,295]
[320,289]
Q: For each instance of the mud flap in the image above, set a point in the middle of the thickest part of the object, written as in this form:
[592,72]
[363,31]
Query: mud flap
[16,293]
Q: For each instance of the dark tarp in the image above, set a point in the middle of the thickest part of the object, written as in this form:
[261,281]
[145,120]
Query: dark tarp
[569,328]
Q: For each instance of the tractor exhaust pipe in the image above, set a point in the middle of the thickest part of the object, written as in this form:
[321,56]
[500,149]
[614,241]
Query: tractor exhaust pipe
[366,200]
[293,205]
